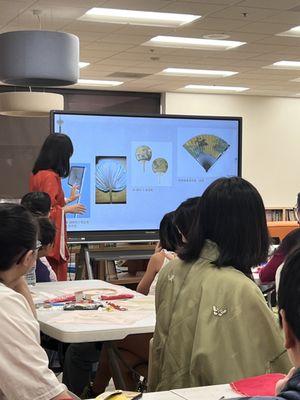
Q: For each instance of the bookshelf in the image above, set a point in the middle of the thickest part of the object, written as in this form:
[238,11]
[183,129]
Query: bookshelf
[274,214]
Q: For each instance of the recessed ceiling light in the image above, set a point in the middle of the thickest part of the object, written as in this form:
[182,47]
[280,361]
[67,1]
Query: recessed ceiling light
[83,64]
[212,88]
[196,72]
[133,17]
[97,82]
[294,32]
[192,43]
[284,65]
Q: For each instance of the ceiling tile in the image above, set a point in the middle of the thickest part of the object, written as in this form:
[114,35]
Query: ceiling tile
[218,23]
[191,8]
[144,5]
[275,4]
[93,26]
[245,14]
[260,27]
[287,17]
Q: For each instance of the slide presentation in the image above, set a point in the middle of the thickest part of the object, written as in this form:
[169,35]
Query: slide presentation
[131,170]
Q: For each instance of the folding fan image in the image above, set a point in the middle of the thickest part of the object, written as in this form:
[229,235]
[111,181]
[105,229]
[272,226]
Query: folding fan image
[206,149]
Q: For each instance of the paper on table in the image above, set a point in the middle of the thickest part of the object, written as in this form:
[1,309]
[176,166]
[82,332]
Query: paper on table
[96,317]
[145,303]
[214,392]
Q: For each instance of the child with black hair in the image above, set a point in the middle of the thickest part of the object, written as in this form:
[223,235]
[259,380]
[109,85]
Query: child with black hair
[289,243]
[173,232]
[44,272]
[289,311]
[24,368]
[39,204]
[169,241]
[184,216]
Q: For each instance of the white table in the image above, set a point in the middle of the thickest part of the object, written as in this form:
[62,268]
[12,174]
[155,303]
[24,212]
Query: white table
[92,326]
[215,392]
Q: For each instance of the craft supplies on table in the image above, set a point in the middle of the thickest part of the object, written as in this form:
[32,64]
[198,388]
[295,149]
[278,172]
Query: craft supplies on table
[88,300]
[104,324]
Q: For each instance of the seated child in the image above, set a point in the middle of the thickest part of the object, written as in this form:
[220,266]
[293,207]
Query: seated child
[289,243]
[39,204]
[169,241]
[289,309]
[173,232]
[184,216]
[44,272]
[24,368]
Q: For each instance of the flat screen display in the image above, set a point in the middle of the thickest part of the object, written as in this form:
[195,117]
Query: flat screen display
[131,170]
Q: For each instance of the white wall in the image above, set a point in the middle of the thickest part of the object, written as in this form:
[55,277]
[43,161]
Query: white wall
[270,139]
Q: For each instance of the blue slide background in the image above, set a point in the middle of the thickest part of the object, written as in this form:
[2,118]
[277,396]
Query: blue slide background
[148,196]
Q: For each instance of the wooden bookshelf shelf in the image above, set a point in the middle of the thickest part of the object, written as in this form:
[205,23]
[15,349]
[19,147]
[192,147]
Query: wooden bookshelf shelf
[280,214]
[279,229]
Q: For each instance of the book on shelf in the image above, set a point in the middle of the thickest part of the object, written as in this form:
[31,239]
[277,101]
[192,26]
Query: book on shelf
[110,270]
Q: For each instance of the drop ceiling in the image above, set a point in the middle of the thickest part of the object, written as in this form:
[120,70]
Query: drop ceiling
[115,51]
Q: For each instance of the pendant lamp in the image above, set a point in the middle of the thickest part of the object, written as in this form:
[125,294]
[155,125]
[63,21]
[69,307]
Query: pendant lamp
[39,58]
[30,104]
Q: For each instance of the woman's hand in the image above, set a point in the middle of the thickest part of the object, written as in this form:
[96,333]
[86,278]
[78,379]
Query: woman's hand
[73,195]
[75,209]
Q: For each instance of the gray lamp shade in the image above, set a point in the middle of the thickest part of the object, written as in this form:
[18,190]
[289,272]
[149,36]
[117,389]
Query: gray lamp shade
[39,58]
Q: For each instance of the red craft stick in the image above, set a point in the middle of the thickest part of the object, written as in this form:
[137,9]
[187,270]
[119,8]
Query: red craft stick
[117,296]
[61,299]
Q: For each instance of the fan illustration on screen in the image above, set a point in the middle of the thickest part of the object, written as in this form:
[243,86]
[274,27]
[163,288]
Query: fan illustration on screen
[143,154]
[160,167]
[110,177]
[206,149]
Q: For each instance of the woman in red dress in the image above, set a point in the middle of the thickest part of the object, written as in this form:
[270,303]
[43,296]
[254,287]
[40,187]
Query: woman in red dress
[52,164]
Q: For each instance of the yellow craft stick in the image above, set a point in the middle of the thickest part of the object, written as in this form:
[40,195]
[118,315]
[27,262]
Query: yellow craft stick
[117,395]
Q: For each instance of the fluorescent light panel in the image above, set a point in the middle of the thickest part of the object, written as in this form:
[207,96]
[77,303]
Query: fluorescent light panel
[295,80]
[192,43]
[293,32]
[97,82]
[284,65]
[216,88]
[83,64]
[196,72]
[132,17]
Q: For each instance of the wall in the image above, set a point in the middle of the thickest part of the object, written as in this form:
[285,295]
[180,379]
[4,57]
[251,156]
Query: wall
[271,138]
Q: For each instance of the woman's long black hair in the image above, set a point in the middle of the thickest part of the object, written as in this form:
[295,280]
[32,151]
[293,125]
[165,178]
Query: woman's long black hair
[55,154]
